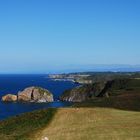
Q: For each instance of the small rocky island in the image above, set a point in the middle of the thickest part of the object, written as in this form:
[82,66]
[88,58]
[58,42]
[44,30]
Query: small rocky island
[30,94]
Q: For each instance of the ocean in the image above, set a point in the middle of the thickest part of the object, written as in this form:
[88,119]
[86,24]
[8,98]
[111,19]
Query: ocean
[15,83]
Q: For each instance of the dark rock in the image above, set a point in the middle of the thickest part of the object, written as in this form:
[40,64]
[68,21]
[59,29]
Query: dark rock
[83,93]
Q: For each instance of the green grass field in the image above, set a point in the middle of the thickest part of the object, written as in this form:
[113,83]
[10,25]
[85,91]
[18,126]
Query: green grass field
[115,118]
[26,125]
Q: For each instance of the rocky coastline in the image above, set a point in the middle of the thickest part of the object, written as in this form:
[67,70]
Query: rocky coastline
[76,78]
[84,92]
[81,93]
[96,90]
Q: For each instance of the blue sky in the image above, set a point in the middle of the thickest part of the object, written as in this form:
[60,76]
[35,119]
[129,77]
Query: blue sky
[39,36]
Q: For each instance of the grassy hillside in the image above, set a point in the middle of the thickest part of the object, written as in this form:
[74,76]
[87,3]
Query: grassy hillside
[92,124]
[23,126]
[127,101]
[102,89]
[115,118]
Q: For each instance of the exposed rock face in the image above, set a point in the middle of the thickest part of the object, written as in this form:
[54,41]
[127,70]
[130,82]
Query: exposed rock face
[83,93]
[9,98]
[30,94]
[35,94]
[100,89]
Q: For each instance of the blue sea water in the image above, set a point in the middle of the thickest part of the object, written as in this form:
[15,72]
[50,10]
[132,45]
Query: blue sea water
[15,83]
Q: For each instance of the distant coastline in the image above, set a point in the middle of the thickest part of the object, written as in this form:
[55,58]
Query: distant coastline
[75,78]
[70,80]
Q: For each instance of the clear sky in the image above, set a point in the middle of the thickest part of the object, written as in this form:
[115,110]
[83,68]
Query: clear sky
[37,36]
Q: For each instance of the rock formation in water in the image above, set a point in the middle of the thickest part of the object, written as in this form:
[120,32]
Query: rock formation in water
[9,98]
[31,94]
[36,94]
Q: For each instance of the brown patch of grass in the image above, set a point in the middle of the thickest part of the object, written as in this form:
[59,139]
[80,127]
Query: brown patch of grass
[92,123]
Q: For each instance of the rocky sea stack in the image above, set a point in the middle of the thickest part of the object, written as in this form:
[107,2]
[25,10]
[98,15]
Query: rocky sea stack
[30,94]
[9,98]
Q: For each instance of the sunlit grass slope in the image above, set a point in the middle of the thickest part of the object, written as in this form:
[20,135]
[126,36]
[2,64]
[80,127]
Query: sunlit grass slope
[26,125]
[116,118]
[92,124]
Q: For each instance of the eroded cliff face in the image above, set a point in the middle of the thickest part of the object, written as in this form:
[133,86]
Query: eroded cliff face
[30,94]
[101,89]
[83,93]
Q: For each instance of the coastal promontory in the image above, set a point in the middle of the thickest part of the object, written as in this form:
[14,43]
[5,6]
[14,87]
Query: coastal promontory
[83,92]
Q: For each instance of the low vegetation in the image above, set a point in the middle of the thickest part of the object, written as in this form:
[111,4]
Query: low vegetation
[101,89]
[42,91]
[92,123]
[26,125]
[115,118]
